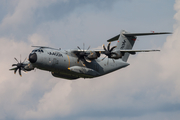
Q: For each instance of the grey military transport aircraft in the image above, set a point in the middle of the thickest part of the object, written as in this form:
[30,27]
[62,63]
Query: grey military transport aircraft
[80,63]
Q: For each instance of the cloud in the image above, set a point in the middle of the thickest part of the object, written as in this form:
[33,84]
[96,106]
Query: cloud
[148,88]
[16,92]
[25,16]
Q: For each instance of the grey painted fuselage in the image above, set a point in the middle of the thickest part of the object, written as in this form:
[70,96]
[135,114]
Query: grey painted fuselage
[63,64]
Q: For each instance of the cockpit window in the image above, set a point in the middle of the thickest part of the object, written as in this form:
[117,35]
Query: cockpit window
[38,50]
[34,51]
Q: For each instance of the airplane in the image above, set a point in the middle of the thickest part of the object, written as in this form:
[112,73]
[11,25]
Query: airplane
[80,63]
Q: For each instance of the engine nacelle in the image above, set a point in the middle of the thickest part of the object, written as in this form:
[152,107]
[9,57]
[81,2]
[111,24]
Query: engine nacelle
[29,67]
[93,55]
[120,54]
[117,55]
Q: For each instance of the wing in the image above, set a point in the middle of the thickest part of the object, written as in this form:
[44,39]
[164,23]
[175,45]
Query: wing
[134,51]
[125,51]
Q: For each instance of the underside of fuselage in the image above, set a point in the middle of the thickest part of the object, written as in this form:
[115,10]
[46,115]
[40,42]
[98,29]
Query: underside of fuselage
[70,75]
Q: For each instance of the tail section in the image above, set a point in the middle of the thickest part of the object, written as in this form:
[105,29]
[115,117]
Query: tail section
[126,41]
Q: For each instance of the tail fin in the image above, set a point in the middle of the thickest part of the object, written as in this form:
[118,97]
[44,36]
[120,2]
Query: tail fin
[126,41]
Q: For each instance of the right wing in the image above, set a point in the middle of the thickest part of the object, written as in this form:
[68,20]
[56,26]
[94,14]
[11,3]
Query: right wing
[134,51]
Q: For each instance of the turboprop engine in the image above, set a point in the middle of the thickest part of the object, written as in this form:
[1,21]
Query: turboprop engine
[86,55]
[93,55]
[117,55]
[22,66]
[112,53]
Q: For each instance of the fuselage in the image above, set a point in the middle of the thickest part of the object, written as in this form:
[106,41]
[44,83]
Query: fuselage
[64,64]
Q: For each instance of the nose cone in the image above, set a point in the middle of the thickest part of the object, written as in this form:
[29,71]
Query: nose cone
[33,58]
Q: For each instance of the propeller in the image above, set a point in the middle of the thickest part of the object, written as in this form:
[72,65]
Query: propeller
[108,52]
[19,66]
[83,55]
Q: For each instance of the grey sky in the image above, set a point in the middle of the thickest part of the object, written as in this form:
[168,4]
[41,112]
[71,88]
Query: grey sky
[147,89]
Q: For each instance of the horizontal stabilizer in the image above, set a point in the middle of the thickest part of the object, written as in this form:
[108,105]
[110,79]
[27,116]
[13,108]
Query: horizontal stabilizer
[114,38]
[142,34]
[137,34]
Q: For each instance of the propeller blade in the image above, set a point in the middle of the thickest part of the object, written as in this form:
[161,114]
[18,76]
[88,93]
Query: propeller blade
[108,47]
[87,60]
[82,63]
[78,47]
[104,58]
[15,70]
[104,47]
[88,48]
[83,46]
[20,58]
[78,60]
[16,60]
[20,71]
[14,64]
[24,60]
[112,48]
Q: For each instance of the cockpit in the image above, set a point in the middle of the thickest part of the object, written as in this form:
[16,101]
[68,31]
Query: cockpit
[33,55]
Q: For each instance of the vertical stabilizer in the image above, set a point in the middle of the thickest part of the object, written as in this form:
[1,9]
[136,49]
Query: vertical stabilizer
[125,42]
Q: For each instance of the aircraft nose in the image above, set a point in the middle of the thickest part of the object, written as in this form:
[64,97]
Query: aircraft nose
[33,58]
